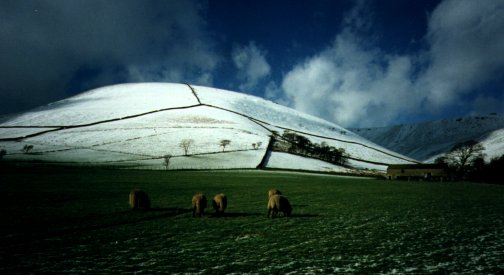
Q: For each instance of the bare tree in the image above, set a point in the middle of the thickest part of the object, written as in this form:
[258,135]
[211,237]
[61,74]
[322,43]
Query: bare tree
[167,160]
[463,154]
[224,143]
[259,144]
[256,145]
[27,148]
[185,144]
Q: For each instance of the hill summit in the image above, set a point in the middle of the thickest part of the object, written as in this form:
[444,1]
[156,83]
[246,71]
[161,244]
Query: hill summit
[182,126]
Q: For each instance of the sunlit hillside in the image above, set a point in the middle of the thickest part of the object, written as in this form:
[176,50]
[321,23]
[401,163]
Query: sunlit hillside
[179,126]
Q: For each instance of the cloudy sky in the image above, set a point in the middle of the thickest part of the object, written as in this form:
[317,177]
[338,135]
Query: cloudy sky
[356,63]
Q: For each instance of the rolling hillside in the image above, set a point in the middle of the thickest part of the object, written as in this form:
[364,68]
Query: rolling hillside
[147,126]
[426,141]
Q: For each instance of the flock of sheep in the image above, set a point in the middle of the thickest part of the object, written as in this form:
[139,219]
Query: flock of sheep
[138,199]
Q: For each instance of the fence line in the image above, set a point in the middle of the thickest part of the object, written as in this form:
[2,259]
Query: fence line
[259,122]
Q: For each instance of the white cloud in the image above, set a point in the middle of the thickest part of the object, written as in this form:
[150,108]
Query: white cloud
[251,63]
[466,46]
[275,93]
[351,85]
[354,84]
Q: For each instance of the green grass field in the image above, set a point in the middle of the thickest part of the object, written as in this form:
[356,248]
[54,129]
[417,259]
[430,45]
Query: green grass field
[78,220]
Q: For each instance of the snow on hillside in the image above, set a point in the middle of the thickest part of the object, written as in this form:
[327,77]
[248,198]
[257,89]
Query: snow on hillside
[272,113]
[279,118]
[288,161]
[137,125]
[493,143]
[426,141]
[106,103]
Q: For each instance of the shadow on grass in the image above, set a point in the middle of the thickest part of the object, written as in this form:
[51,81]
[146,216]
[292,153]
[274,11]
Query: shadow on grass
[164,209]
[304,215]
[281,216]
[299,205]
[89,223]
[237,215]
[233,215]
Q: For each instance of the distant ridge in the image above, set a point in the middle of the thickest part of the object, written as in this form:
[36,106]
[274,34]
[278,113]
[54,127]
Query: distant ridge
[428,140]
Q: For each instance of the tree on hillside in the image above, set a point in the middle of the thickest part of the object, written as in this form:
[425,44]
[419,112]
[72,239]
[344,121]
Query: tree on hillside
[331,153]
[185,144]
[298,143]
[224,143]
[2,153]
[462,156]
[256,145]
[27,148]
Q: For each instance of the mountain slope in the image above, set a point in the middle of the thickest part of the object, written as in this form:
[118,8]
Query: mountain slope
[137,125]
[426,141]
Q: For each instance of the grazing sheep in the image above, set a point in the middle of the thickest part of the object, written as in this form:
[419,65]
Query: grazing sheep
[199,203]
[138,199]
[272,192]
[219,203]
[279,203]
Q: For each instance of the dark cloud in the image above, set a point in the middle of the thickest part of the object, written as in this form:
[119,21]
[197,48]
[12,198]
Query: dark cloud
[48,46]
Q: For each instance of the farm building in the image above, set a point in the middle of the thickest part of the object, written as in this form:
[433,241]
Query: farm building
[417,172]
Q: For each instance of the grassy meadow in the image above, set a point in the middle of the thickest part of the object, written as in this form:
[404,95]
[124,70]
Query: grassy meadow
[78,220]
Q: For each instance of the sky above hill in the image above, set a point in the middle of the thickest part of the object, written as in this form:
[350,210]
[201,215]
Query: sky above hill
[356,63]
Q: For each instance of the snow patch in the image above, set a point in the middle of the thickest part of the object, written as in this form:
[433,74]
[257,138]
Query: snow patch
[287,161]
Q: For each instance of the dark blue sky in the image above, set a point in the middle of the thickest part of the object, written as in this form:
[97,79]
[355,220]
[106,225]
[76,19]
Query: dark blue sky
[288,32]
[355,63]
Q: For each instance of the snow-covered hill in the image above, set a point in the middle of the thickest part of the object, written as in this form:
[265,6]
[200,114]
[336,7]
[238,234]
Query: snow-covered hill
[426,141]
[137,125]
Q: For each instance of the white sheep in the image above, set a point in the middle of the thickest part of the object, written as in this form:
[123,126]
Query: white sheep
[138,199]
[219,203]
[279,203]
[199,203]
[272,192]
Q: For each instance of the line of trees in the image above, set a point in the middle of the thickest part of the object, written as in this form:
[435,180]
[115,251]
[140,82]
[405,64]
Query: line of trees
[300,145]
[465,161]
[186,145]
[492,172]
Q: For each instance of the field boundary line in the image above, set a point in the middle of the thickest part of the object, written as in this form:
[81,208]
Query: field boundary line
[59,128]
[259,122]
[194,92]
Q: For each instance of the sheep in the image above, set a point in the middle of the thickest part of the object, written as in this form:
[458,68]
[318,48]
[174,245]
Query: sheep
[278,203]
[219,203]
[199,203]
[272,192]
[138,199]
